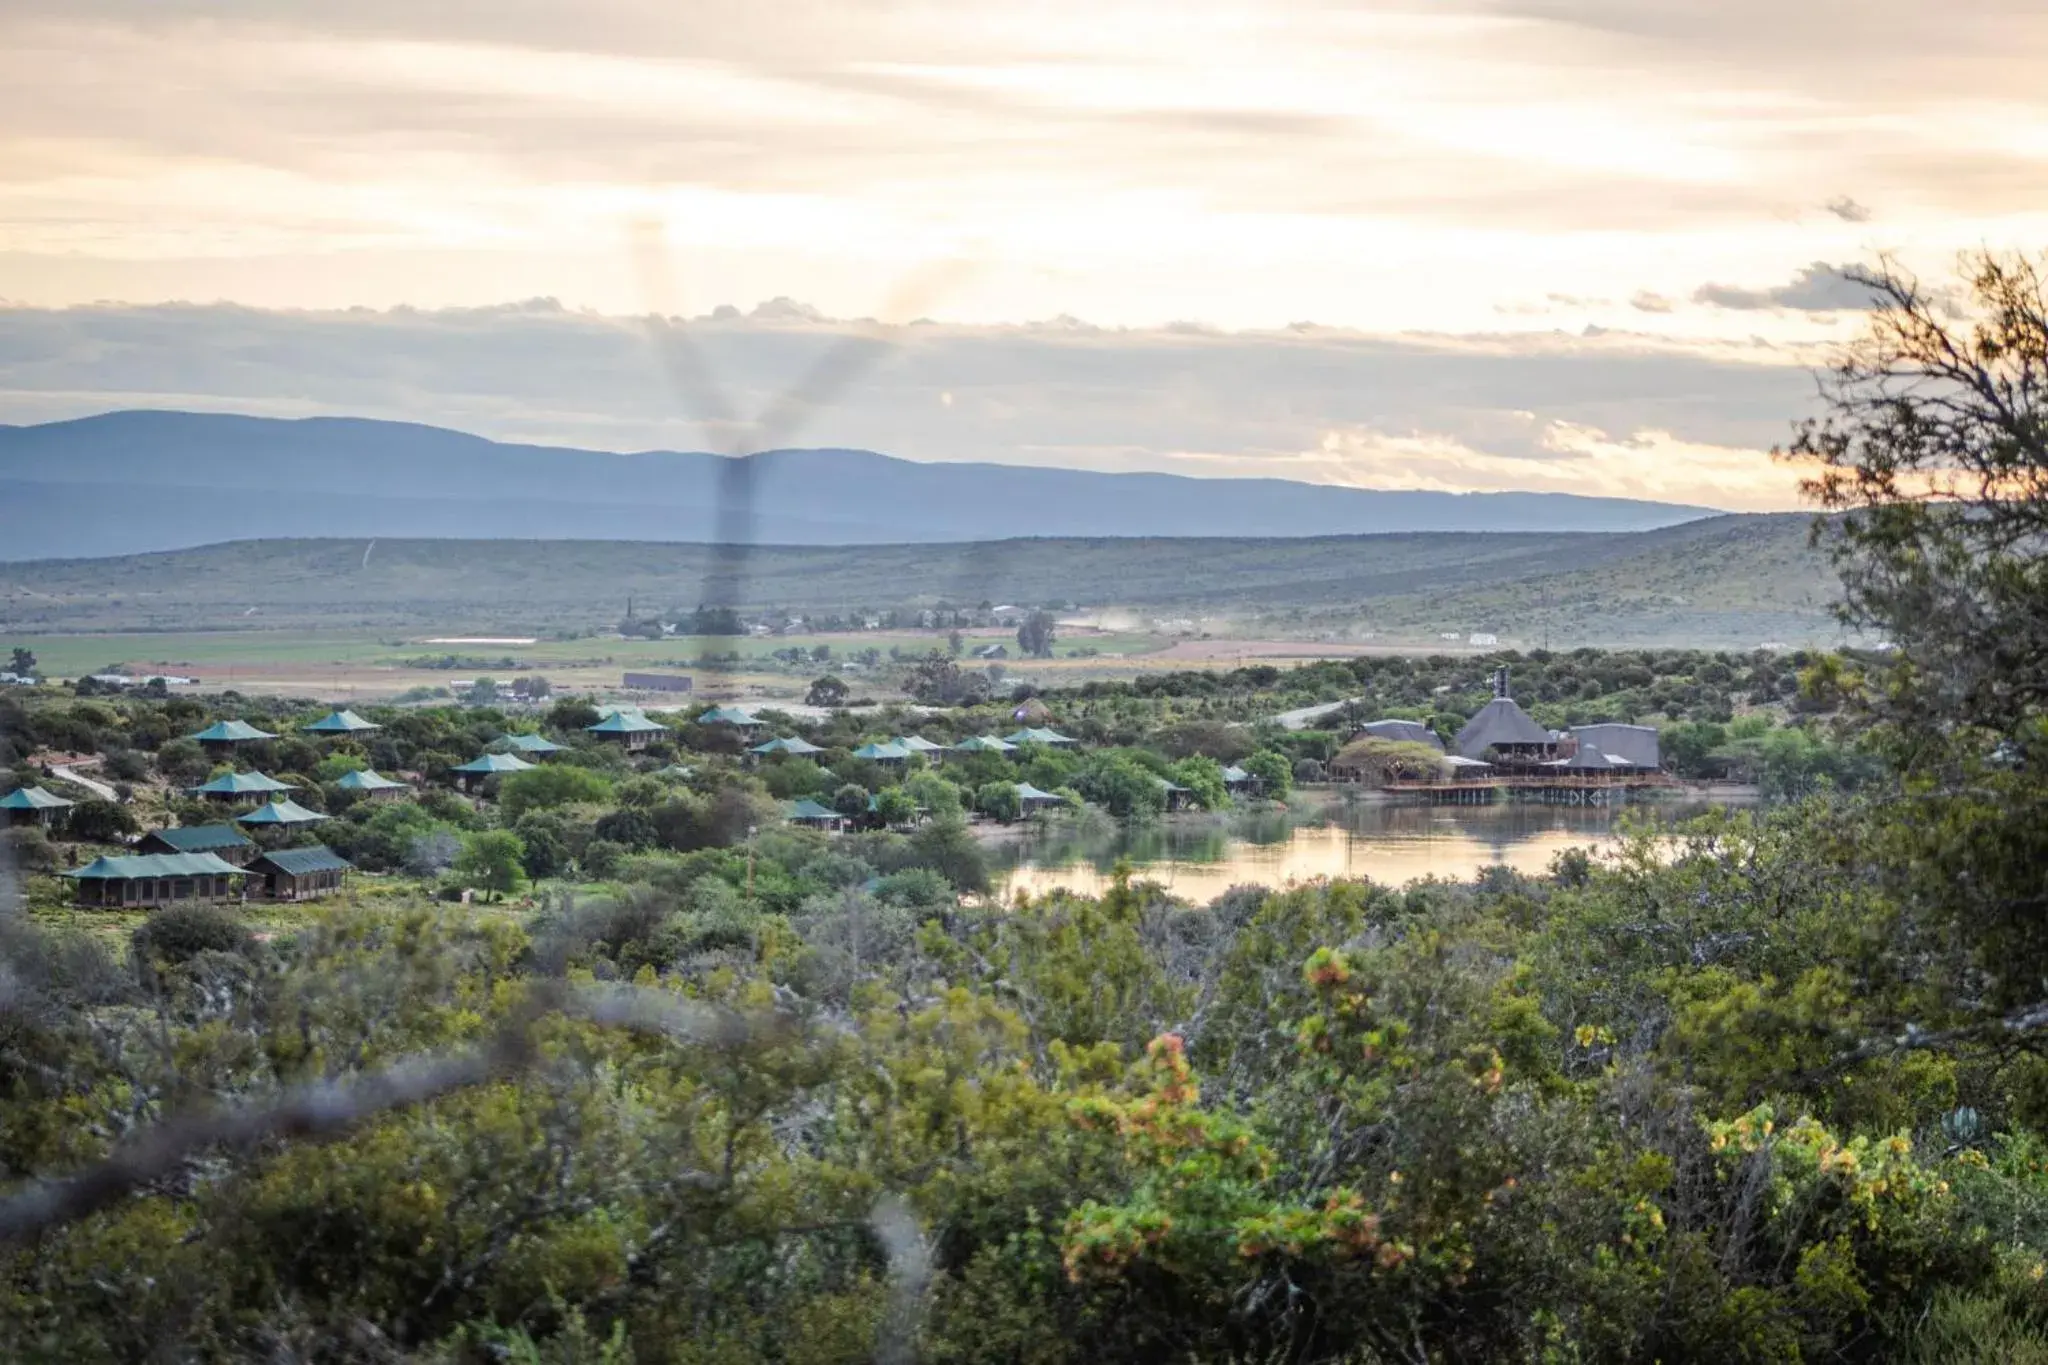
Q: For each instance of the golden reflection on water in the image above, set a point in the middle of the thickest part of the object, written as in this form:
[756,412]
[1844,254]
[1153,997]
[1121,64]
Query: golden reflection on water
[1391,845]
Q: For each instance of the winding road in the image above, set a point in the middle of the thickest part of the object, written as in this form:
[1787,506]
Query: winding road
[99,789]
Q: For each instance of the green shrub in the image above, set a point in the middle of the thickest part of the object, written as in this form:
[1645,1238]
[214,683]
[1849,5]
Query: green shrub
[179,933]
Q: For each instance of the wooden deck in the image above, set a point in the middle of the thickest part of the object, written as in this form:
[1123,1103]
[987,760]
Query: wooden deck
[1560,789]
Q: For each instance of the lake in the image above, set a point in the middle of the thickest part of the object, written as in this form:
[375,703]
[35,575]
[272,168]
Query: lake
[1390,844]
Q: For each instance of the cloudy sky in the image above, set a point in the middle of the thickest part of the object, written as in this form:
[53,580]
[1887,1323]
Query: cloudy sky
[1574,244]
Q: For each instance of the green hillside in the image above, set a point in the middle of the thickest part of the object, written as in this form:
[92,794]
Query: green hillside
[1723,580]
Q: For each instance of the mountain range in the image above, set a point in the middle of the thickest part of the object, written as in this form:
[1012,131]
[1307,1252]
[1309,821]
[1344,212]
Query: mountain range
[133,482]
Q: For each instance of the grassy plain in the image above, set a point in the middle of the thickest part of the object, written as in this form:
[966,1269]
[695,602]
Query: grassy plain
[342,663]
[345,618]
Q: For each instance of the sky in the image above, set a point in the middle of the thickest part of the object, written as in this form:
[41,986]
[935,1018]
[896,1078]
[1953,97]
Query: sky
[1584,245]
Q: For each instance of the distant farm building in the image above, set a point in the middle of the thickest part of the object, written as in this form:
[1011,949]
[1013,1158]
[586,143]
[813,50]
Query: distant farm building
[656,682]
[1482,639]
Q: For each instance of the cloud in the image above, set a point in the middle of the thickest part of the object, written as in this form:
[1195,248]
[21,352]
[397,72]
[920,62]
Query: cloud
[1817,288]
[1201,401]
[1386,164]
[1645,463]
[1644,301]
[1848,210]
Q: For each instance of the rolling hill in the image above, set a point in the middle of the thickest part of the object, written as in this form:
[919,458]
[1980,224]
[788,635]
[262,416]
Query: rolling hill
[1725,581]
[127,482]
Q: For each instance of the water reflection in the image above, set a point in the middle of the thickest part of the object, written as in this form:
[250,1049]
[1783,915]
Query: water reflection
[1390,844]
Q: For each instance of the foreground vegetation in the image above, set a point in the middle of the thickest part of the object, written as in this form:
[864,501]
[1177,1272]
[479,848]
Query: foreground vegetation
[1768,1090]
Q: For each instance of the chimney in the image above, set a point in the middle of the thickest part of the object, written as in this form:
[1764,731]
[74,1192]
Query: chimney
[1500,682]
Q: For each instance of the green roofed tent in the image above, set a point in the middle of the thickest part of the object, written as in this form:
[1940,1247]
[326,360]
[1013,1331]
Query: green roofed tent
[152,865]
[300,861]
[32,798]
[625,723]
[31,806]
[487,764]
[807,812]
[153,879]
[795,744]
[525,744]
[888,752]
[983,744]
[1036,736]
[242,784]
[340,723]
[367,780]
[728,715]
[1031,798]
[280,811]
[195,839]
[918,744]
[230,732]
[300,873]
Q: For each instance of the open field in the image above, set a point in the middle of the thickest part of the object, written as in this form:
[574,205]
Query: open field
[341,664]
[343,619]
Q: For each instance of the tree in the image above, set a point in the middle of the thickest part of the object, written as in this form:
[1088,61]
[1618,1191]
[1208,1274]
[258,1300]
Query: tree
[1275,774]
[1035,635]
[24,664]
[827,690]
[851,801]
[937,680]
[483,692]
[895,806]
[547,786]
[955,643]
[708,620]
[999,801]
[492,861]
[1934,453]
[572,715]
[100,822]
[532,687]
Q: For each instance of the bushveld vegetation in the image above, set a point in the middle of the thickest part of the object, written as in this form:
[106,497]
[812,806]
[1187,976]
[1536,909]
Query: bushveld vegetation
[1770,1089]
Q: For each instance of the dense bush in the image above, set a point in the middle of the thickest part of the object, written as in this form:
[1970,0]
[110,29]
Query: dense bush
[179,933]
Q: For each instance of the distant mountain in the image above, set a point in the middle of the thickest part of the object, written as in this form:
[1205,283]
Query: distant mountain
[129,482]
